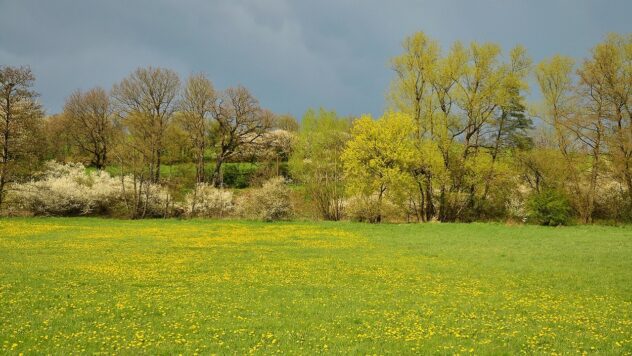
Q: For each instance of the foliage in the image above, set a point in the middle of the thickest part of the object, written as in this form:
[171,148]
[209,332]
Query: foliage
[549,208]
[378,157]
[364,208]
[457,142]
[316,160]
[238,175]
[146,100]
[89,123]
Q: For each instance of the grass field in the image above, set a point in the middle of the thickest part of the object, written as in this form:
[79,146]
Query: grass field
[169,286]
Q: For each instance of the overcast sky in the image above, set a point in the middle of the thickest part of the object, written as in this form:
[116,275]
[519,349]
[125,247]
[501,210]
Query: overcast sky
[291,54]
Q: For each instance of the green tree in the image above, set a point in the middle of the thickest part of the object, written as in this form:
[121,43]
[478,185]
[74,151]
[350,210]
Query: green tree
[378,157]
[316,160]
[468,103]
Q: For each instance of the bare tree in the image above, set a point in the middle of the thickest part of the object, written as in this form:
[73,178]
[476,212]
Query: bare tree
[90,125]
[196,112]
[240,123]
[149,93]
[18,113]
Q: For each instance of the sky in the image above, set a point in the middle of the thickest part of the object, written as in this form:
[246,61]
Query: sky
[292,55]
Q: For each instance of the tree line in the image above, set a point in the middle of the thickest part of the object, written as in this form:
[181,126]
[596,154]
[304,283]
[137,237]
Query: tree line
[459,140]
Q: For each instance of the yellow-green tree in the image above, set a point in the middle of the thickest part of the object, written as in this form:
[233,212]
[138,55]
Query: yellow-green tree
[379,156]
[316,161]
[468,103]
[606,78]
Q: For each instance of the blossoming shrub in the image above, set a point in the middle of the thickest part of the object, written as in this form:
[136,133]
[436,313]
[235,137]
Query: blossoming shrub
[516,209]
[208,201]
[66,189]
[269,203]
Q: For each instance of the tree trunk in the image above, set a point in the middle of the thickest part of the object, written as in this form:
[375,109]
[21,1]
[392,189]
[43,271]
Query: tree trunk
[5,149]
[217,179]
[430,207]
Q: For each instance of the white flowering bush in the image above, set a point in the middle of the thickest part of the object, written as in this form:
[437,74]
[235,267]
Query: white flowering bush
[208,202]
[141,198]
[66,189]
[516,209]
[269,203]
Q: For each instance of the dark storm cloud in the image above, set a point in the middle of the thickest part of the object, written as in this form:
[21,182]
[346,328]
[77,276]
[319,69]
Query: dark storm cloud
[291,54]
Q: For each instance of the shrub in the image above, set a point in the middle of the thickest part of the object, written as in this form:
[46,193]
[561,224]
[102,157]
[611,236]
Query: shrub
[515,209]
[363,208]
[208,201]
[269,203]
[66,189]
[611,202]
[550,208]
[238,175]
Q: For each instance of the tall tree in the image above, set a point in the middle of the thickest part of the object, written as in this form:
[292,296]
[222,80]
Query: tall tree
[509,126]
[149,94]
[378,157]
[240,122]
[90,124]
[466,104]
[607,79]
[561,111]
[316,160]
[19,115]
[196,112]
[415,71]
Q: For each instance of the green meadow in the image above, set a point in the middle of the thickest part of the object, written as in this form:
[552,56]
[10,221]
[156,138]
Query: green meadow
[86,285]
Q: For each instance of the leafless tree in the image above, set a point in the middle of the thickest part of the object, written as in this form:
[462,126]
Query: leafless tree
[196,112]
[18,113]
[240,122]
[149,93]
[90,125]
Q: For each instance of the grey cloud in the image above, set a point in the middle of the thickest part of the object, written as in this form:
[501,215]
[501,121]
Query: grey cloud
[291,54]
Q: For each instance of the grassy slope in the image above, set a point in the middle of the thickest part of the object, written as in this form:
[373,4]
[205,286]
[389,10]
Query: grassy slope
[233,287]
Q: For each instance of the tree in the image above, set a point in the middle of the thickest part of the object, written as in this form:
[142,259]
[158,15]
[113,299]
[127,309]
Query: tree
[316,160]
[196,110]
[286,122]
[240,123]
[19,117]
[509,127]
[378,157]
[416,69]
[468,105]
[578,128]
[58,145]
[607,81]
[149,94]
[90,124]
